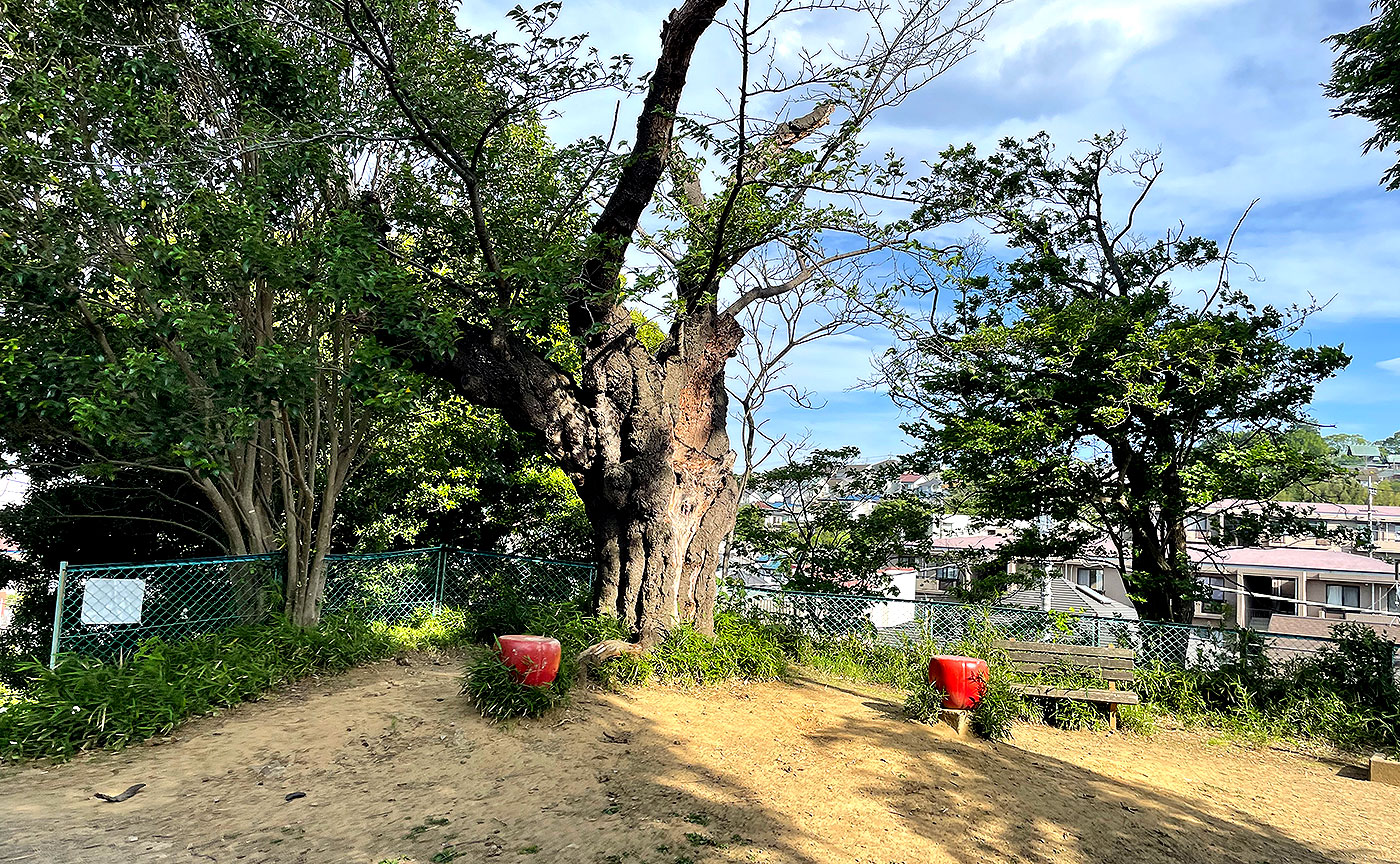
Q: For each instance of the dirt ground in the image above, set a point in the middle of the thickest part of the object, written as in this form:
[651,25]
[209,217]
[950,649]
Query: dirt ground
[395,765]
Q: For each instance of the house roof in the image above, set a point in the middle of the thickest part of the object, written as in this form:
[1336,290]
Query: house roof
[909,478]
[1066,596]
[968,541]
[1321,510]
[1363,450]
[1289,558]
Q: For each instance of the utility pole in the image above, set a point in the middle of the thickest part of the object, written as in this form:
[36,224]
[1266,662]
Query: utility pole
[1370,512]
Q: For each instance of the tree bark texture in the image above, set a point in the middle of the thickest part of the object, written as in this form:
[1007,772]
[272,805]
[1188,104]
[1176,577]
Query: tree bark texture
[643,437]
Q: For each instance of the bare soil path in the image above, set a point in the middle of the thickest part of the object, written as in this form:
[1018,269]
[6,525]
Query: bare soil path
[395,765]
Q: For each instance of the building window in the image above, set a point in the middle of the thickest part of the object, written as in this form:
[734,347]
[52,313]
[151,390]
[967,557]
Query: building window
[1214,601]
[947,577]
[1285,588]
[1378,533]
[904,561]
[1089,577]
[1344,595]
[1392,601]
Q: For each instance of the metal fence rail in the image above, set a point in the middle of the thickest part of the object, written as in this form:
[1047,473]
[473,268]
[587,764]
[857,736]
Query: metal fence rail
[896,622]
[107,610]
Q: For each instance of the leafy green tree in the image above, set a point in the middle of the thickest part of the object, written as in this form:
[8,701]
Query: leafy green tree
[187,262]
[1366,79]
[838,529]
[1074,383]
[457,475]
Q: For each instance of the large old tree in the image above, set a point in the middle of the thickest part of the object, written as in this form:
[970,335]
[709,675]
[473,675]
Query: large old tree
[720,213]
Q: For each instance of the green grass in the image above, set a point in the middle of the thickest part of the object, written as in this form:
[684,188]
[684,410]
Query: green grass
[86,703]
[1344,696]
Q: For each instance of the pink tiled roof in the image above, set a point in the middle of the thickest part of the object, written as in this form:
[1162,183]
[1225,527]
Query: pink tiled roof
[909,478]
[1355,511]
[970,541]
[1292,557]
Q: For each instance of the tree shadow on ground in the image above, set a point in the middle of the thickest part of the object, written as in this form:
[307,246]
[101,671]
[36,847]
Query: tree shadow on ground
[997,801]
[395,763]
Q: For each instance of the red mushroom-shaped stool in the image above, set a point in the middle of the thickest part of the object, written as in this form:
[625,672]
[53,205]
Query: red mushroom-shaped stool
[533,659]
[964,679]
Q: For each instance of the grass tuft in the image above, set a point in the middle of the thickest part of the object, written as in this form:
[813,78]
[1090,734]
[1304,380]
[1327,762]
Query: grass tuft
[86,703]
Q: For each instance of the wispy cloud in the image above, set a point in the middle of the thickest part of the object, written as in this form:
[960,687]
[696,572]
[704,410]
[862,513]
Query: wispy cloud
[1228,90]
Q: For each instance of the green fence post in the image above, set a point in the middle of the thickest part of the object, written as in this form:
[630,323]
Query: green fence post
[441,578]
[58,613]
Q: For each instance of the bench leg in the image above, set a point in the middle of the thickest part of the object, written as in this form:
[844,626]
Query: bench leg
[1113,717]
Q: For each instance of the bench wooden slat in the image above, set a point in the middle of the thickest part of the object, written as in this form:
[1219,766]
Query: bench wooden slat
[1112,697]
[1013,646]
[1036,658]
[1125,675]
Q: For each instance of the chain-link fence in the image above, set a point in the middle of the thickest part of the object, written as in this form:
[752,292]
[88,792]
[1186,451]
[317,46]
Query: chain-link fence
[898,622]
[106,610]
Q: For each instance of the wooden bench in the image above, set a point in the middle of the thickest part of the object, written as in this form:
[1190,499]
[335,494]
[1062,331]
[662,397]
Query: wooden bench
[1114,665]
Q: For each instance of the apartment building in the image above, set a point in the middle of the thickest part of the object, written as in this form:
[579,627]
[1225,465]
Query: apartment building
[1262,587]
[1382,524]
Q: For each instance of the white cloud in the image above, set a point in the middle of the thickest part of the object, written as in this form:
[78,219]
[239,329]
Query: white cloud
[1228,89]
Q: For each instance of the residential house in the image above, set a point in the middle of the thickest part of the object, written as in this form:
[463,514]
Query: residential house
[1382,522]
[775,513]
[1091,583]
[1262,587]
[923,485]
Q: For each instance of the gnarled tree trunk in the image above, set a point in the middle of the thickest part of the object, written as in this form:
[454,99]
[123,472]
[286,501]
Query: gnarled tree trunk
[643,437]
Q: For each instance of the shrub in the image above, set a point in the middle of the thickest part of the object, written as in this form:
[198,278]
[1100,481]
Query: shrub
[1345,695]
[1001,705]
[496,694]
[1359,667]
[924,702]
[742,648]
[1137,720]
[86,703]
[859,659]
[1072,714]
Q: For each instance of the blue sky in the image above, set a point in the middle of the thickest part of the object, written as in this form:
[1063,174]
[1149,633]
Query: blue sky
[1228,90]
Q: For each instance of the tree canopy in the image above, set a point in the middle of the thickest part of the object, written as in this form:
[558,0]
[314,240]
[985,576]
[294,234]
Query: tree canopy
[1366,79]
[1075,384]
[190,242]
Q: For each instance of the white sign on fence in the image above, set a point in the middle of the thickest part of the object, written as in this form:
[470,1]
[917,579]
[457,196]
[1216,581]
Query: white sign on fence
[113,601]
